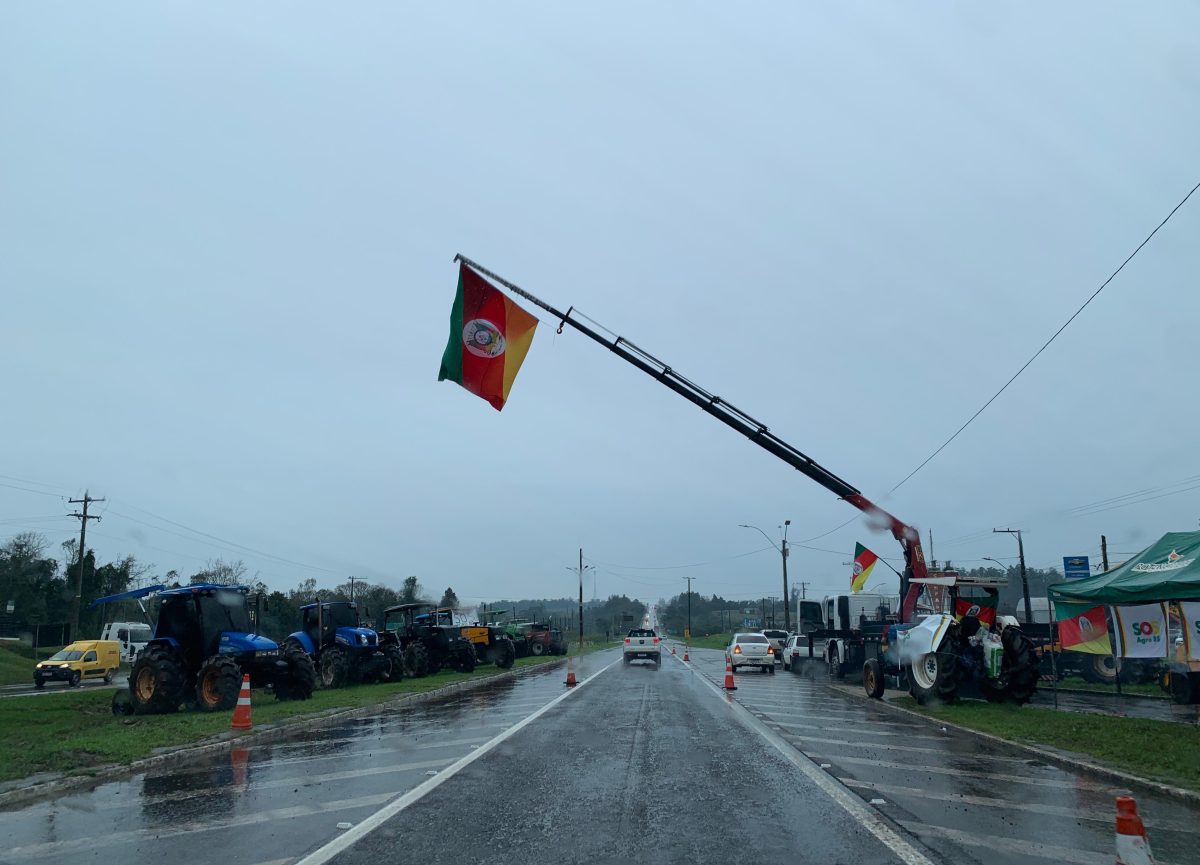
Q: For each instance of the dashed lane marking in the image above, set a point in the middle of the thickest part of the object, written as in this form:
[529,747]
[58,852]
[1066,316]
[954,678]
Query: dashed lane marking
[396,805]
[1014,846]
[1094,815]
[882,746]
[914,768]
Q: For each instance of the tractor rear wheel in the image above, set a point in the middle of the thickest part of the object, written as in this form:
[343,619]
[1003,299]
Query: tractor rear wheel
[393,664]
[335,667]
[218,684]
[300,679]
[537,649]
[1020,666]
[934,676]
[873,681]
[1185,688]
[417,660]
[504,654]
[835,665]
[156,682]
[464,658]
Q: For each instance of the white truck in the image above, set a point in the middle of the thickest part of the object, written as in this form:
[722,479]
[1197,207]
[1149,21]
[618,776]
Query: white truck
[861,612]
[133,637]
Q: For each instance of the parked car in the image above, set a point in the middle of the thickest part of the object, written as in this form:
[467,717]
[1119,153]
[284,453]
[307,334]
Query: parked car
[778,639]
[643,644]
[751,650]
[794,652]
[83,659]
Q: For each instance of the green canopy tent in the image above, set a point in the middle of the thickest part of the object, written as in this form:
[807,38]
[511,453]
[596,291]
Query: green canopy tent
[1167,570]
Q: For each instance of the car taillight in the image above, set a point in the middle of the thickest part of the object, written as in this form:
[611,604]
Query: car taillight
[737,650]
[657,640]
[770,650]
[627,640]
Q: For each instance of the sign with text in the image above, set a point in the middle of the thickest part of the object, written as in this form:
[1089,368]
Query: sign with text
[1076,567]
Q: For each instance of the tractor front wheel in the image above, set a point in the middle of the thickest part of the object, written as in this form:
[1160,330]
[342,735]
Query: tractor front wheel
[504,654]
[417,660]
[873,681]
[465,659]
[933,676]
[300,679]
[156,682]
[218,684]
[393,664]
[335,667]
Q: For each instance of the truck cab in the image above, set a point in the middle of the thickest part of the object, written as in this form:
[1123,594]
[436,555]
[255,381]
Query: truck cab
[133,637]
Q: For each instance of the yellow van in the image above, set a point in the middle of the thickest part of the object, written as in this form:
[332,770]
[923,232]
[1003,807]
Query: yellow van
[85,659]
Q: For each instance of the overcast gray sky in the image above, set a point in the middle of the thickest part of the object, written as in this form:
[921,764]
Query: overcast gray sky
[226,278]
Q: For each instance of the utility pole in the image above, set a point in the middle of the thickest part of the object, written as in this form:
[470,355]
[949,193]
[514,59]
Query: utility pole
[689,606]
[77,599]
[787,614]
[803,592]
[1104,551]
[581,599]
[352,581]
[1024,579]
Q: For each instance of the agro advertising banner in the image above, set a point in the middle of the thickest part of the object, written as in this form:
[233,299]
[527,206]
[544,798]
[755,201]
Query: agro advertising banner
[1141,630]
[1191,628]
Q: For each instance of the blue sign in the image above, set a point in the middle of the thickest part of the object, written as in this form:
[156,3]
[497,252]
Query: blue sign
[751,623]
[1076,567]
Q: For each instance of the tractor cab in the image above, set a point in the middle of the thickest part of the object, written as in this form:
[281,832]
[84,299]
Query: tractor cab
[206,619]
[427,638]
[326,623]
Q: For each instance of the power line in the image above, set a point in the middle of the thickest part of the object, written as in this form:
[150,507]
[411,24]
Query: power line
[1046,345]
[35,492]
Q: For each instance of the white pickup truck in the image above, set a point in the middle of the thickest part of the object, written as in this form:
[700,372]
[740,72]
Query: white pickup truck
[643,644]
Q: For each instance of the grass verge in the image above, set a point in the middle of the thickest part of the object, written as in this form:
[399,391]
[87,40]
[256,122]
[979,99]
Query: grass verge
[1141,689]
[710,641]
[1160,750]
[74,731]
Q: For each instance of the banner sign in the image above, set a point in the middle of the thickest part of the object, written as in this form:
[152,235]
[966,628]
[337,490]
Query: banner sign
[1191,628]
[1141,630]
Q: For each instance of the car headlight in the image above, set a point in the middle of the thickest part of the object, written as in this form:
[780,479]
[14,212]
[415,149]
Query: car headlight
[64,666]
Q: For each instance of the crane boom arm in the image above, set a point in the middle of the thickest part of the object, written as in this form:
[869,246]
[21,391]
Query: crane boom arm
[757,432]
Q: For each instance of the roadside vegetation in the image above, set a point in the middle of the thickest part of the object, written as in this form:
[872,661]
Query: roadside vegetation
[75,731]
[709,641]
[1163,751]
[1140,689]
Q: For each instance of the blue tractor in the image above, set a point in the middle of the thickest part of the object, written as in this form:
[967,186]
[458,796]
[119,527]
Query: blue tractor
[341,649]
[202,646]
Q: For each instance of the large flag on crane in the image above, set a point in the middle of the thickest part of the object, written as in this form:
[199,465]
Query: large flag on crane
[864,562]
[489,337]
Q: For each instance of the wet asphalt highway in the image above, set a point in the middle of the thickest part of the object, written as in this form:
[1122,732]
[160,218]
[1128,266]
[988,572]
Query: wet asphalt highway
[636,763]
[966,799]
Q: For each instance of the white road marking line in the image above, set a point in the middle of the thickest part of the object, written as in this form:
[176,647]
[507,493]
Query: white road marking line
[275,861]
[374,752]
[57,848]
[871,819]
[789,725]
[1093,815]
[391,809]
[916,768]
[1013,846]
[887,746]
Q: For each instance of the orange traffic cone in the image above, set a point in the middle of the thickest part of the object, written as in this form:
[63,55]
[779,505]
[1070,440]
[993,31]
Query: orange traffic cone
[729,685]
[570,675]
[1133,847]
[672,650]
[685,655]
[241,714]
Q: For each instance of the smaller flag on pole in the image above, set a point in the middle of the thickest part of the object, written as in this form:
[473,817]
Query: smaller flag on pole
[1082,628]
[864,562]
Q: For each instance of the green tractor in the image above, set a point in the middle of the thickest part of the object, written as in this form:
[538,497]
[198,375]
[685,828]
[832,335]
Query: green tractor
[428,646]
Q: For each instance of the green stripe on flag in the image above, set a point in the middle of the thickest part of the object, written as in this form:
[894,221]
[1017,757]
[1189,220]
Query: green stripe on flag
[452,361]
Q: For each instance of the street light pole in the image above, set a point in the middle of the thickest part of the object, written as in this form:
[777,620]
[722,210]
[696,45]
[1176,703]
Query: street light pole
[689,607]
[581,599]
[783,552]
[1024,578]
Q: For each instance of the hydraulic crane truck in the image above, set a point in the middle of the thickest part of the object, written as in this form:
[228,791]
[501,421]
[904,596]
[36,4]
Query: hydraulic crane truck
[927,653]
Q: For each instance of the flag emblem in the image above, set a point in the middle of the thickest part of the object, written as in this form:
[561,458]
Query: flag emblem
[482,338]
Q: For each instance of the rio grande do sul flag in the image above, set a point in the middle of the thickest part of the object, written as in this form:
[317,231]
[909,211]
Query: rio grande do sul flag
[864,562]
[1082,628]
[489,337]
[983,609]
[1141,630]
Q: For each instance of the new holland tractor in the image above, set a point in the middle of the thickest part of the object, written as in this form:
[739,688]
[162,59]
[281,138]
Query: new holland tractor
[342,650]
[202,646]
[427,646]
